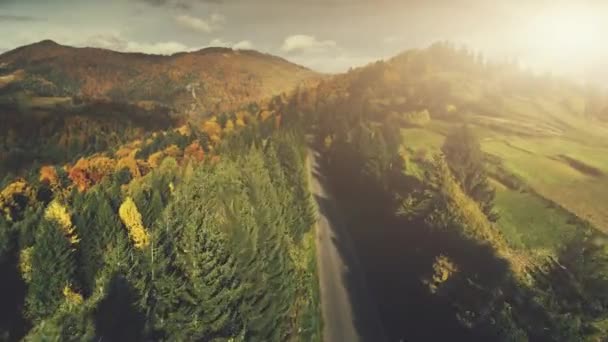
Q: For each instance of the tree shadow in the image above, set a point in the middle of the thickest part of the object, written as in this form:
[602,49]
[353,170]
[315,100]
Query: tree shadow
[13,325]
[116,317]
[365,317]
[395,256]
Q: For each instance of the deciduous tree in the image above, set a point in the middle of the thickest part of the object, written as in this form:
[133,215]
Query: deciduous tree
[463,154]
[132,220]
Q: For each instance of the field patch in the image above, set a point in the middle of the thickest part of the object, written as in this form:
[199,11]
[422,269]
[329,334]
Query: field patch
[570,172]
[533,223]
[580,166]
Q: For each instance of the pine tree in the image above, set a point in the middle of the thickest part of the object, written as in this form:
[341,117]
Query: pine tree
[193,252]
[272,286]
[53,268]
[463,154]
[98,227]
[291,160]
[151,203]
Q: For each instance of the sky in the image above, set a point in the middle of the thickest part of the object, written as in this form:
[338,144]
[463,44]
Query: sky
[558,36]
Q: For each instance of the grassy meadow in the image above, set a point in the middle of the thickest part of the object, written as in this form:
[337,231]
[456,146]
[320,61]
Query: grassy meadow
[559,158]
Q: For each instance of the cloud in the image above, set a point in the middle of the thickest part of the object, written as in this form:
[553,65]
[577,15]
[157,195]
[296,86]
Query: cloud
[306,43]
[200,25]
[243,45]
[334,62]
[118,43]
[181,4]
[219,42]
[390,39]
[20,18]
[217,18]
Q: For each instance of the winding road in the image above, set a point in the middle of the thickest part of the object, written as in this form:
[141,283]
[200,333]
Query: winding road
[348,312]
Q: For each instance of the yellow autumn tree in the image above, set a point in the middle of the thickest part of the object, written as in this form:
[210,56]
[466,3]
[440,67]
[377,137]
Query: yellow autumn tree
[241,114]
[55,212]
[328,141]
[14,197]
[229,126]
[129,162]
[155,159]
[25,263]
[131,218]
[128,149]
[173,151]
[72,296]
[212,127]
[184,130]
[443,270]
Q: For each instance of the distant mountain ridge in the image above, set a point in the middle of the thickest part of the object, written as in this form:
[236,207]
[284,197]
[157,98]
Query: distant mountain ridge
[227,78]
[59,102]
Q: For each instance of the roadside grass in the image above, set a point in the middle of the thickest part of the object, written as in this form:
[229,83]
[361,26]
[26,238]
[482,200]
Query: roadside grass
[311,322]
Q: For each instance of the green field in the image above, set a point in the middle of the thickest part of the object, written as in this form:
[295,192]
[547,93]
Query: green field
[561,157]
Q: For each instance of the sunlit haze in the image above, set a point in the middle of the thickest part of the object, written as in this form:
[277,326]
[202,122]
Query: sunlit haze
[304,170]
[564,37]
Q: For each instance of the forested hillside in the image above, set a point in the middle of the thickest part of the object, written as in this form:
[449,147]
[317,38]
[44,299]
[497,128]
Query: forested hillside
[211,79]
[199,233]
[58,103]
[472,192]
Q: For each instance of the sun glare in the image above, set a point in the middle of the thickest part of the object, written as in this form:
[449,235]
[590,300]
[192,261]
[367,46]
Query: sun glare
[565,33]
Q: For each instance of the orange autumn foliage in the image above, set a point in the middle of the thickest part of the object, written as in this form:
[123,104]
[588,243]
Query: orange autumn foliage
[49,175]
[88,172]
[265,115]
[194,151]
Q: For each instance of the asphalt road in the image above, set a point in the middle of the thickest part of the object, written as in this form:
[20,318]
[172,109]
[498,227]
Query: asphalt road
[348,311]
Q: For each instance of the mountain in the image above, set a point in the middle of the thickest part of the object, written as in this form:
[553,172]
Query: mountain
[211,79]
[59,102]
